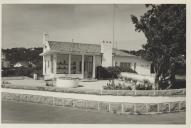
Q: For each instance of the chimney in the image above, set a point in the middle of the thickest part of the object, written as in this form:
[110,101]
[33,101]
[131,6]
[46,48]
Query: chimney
[106,50]
[45,37]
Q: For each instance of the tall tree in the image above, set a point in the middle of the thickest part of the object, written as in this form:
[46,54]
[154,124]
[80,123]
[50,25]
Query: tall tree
[164,26]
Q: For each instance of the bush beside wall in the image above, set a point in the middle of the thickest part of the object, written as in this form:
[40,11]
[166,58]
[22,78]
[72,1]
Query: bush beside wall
[111,72]
[21,71]
[107,73]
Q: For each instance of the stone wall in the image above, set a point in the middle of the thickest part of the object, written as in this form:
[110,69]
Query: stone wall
[121,108]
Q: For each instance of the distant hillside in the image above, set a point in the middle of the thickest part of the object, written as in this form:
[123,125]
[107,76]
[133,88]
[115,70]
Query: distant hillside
[24,54]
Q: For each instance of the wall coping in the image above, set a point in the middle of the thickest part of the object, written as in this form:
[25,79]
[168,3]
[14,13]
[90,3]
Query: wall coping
[172,92]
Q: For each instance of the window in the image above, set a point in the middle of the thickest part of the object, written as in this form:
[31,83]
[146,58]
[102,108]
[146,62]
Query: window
[62,64]
[76,64]
[125,65]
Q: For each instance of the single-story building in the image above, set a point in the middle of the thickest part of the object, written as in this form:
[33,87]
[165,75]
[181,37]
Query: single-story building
[24,64]
[21,64]
[79,60]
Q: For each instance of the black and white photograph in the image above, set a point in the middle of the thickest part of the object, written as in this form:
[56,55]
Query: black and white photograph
[93,64]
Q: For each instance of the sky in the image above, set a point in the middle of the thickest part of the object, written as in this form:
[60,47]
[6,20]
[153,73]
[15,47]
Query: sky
[24,25]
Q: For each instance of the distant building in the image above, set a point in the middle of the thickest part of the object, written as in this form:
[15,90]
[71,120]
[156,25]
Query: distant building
[68,59]
[21,64]
[5,63]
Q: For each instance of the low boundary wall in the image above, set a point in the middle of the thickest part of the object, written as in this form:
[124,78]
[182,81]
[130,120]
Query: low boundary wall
[117,107]
[172,92]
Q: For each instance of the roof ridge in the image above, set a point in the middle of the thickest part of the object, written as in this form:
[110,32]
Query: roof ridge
[72,42]
[74,47]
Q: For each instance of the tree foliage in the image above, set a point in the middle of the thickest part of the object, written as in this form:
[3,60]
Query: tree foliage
[15,55]
[164,26]
[140,52]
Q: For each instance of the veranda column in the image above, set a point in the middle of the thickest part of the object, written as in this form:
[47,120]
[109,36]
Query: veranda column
[83,66]
[44,65]
[55,63]
[93,75]
[114,61]
[69,64]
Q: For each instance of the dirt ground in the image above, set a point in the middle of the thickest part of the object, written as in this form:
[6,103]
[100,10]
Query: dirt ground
[95,84]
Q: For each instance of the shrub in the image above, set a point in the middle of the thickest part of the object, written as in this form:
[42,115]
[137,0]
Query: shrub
[111,72]
[127,69]
[111,85]
[128,79]
[21,71]
[50,82]
[8,72]
[107,73]
[179,83]
[145,85]
[128,84]
[181,69]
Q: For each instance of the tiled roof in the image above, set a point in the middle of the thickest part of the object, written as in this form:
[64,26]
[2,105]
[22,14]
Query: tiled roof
[118,52]
[81,48]
[74,47]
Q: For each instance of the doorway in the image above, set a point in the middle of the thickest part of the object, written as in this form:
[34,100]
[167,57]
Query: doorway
[88,66]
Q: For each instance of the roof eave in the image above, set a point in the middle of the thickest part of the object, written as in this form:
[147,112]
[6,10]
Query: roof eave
[124,56]
[69,52]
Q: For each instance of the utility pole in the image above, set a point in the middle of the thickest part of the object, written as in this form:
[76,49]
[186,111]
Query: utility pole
[113,62]
[113,25]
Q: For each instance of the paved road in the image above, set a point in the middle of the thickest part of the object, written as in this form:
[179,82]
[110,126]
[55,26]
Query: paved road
[21,112]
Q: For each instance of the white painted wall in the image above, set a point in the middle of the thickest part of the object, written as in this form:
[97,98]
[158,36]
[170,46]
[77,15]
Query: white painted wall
[106,49]
[47,69]
[47,64]
[138,76]
[142,66]
[97,60]
[45,43]
[54,63]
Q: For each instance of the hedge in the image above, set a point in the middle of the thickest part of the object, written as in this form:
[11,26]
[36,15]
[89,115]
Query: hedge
[21,71]
[111,72]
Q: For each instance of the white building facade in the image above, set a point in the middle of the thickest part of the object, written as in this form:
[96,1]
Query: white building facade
[78,60]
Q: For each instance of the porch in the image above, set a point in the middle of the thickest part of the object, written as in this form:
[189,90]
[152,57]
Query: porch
[73,65]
